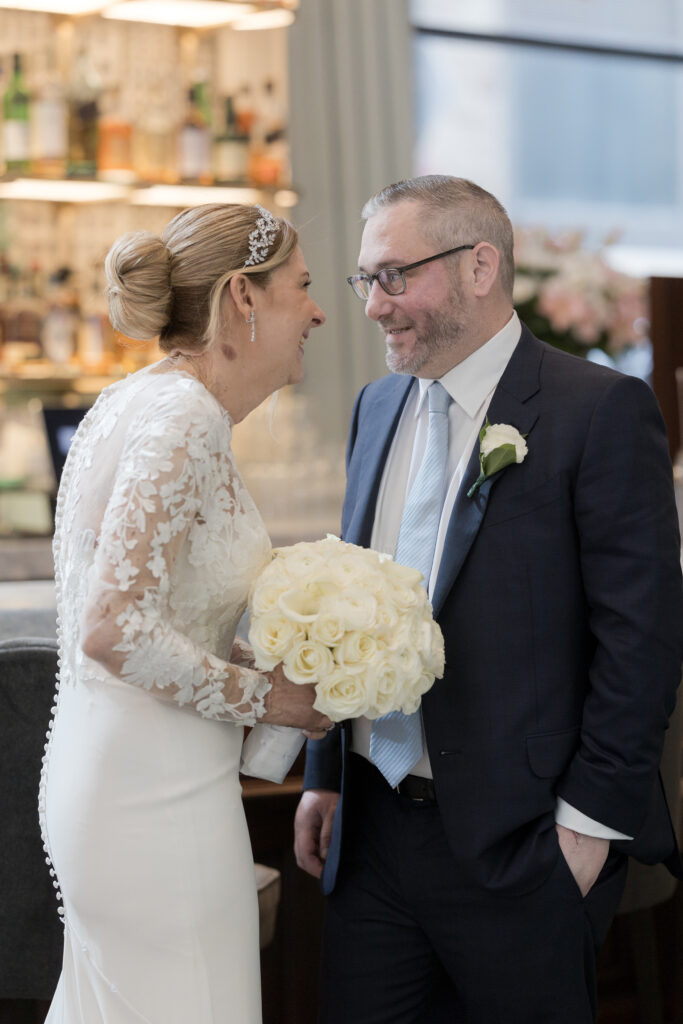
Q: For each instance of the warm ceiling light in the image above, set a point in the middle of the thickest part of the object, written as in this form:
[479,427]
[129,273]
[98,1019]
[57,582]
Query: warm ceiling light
[188,13]
[190,195]
[66,191]
[264,19]
[285,197]
[54,6]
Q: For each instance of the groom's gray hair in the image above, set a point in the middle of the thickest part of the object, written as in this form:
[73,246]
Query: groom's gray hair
[458,213]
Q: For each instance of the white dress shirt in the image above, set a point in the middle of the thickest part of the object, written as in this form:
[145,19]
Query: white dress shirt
[471,385]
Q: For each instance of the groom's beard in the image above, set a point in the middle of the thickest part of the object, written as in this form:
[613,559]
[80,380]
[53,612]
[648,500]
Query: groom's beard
[437,333]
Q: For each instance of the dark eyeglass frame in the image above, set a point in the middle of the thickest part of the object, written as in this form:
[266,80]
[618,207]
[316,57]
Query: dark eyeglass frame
[368,279]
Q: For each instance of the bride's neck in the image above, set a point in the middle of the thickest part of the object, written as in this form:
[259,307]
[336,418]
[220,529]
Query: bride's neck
[219,370]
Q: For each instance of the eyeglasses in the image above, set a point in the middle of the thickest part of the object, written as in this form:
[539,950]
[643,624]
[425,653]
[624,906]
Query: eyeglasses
[392,280]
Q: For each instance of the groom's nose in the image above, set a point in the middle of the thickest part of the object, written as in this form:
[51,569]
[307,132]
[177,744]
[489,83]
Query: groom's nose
[378,303]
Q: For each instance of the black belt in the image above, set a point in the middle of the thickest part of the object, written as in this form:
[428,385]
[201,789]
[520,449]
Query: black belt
[414,787]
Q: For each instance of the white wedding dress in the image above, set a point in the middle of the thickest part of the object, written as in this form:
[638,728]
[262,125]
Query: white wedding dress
[156,544]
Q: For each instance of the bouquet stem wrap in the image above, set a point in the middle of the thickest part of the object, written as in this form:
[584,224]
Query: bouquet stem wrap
[270,751]
[349,621]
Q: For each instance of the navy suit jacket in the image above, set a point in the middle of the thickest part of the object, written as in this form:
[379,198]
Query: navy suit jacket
[560,599]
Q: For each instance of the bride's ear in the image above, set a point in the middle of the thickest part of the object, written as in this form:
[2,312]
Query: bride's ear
[241,293]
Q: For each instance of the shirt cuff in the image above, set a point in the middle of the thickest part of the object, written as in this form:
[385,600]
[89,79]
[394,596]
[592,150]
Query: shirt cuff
[568,816]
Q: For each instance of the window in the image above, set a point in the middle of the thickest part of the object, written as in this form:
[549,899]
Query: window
[570,112]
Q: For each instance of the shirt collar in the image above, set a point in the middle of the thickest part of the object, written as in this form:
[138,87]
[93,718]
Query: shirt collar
[472,381]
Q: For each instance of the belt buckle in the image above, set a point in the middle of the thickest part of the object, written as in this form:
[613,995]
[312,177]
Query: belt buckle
[407,796]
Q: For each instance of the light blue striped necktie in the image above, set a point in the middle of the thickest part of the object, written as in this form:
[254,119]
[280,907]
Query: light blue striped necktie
[396,739]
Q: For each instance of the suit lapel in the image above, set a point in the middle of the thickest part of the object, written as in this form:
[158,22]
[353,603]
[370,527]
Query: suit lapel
[512,403]
[383,413]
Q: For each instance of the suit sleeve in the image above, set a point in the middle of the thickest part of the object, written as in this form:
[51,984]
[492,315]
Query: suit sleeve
[627,526]
[323,762]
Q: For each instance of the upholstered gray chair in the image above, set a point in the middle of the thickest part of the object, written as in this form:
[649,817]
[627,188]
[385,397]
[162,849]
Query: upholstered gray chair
[31,933]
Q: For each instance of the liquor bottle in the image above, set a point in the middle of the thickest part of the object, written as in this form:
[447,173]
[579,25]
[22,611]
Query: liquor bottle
[231,148]
[3,82]
[4,297]
[15,105]
[95,333]
[83,101]
[60,326]
[24,313]
[275,136]
[49,140]
[268,150]
[245,112]
[154,136]
[114,142]
[194,139]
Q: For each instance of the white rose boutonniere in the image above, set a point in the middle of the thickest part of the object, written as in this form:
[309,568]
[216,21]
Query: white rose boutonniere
[500,445]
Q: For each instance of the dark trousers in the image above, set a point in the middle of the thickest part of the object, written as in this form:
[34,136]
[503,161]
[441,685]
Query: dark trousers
[410,940]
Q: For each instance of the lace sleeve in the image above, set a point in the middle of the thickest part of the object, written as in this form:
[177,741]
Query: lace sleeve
[165,473]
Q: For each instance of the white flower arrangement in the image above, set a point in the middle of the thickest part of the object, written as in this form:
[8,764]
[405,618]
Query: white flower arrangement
[350,620]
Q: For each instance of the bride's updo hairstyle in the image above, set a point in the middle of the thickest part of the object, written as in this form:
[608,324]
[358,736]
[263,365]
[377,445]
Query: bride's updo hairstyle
[171,286]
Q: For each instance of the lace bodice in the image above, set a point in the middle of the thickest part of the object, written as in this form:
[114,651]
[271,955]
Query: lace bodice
[156,544]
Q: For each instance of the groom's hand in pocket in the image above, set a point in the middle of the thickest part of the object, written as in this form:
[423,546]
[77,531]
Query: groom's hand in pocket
[585,856]
[313,829]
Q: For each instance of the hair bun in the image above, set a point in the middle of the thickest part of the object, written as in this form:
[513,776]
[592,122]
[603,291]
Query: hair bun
[138,273]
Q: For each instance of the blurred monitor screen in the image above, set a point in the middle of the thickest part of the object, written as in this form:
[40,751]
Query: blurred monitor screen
[60,427]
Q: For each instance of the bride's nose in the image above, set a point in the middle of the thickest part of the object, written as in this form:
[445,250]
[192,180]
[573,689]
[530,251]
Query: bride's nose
[319,318]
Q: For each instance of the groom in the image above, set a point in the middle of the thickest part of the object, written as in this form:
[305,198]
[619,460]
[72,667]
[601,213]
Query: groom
[477,853]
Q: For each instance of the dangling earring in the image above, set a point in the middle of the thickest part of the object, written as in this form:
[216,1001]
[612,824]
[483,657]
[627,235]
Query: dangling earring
[252,322]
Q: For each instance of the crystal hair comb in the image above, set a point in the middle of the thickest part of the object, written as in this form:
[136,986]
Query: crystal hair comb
[262,237]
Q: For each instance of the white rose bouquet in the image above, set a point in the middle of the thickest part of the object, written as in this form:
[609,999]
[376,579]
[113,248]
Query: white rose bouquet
[350,620]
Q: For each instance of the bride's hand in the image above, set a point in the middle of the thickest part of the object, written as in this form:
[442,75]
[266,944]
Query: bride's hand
[289,703]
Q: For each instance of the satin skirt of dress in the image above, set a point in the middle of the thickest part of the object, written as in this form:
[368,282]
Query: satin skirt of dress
[149,842]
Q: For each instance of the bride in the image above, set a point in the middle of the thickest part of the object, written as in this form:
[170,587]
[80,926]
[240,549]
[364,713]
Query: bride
[156,545]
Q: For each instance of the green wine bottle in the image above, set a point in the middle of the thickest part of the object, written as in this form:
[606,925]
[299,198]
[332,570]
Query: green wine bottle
[15,128]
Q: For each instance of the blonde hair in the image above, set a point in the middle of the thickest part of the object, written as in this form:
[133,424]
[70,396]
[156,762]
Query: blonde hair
[458,213]
[171,286]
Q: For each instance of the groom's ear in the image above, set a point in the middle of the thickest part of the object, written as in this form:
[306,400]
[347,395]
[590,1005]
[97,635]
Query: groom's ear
[241,293]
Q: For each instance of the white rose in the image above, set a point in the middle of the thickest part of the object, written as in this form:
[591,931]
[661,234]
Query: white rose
[264,597]
[497,434]
[353,606]
[407,597]
[357,647]
[274,571]
[401,575]
[272,636]
[388,682]
[408,660]
[431,648]
[348,569]
[387,620]
[342,695]
[307,662]
[413,693]
[302,561]
[327,629]
[406,631]
[300,604]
